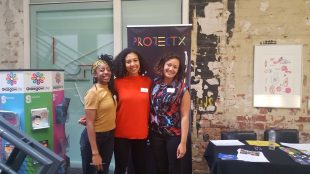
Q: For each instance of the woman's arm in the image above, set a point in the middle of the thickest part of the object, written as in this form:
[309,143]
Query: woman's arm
[185,108]
[90,120]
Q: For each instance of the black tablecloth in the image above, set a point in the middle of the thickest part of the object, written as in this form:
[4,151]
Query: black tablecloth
[280,162]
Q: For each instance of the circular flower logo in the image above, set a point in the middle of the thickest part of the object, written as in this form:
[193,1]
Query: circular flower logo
[11,78]
[37,78]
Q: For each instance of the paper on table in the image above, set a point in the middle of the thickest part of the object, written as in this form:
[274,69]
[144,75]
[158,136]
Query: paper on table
[227,142]
[260,143]
[299,156]
[297,146]
[251,156]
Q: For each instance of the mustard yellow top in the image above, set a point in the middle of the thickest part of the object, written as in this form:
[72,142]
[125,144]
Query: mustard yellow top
[99,98]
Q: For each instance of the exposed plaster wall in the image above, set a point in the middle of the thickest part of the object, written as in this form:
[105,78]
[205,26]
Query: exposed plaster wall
[224,35]
[11,34]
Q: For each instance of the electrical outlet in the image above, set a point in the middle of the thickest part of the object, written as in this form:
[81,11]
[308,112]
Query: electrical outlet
[309,103]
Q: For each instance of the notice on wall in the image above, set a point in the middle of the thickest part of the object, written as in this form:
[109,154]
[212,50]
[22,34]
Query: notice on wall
[39,118]
[277,76]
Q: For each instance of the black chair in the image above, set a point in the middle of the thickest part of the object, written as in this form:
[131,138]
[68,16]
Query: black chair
[284,135]
[238,135]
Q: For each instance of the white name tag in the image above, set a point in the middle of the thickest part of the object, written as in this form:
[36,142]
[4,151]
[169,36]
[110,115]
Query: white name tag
[170,90]
[144,90]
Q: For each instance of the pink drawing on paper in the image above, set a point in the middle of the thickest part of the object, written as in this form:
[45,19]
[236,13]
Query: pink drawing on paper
[278,75]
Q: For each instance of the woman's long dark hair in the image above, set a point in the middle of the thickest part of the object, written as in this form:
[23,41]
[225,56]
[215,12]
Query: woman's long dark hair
[159,67]
[119,63]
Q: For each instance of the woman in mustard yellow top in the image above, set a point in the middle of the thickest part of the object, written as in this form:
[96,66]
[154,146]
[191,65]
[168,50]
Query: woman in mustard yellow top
[100,110]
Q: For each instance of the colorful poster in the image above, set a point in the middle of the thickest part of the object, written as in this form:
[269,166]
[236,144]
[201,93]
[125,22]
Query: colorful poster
[278,75]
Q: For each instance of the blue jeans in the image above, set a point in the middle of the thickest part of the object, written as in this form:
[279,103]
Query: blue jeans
[105,143]
[164,150]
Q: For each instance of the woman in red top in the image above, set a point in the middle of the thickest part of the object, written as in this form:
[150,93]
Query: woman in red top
[132,112]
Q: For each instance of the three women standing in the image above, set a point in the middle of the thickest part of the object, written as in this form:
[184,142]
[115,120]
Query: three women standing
[169,113]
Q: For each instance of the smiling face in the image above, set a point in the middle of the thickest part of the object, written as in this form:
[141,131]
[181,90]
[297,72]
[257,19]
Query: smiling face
[132,64]
[171,68]
[103,74]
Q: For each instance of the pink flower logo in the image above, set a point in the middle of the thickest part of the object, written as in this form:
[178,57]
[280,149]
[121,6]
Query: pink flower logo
[11,78]
[37,78]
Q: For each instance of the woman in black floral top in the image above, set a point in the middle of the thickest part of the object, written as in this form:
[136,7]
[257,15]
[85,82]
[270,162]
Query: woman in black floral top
[169,122]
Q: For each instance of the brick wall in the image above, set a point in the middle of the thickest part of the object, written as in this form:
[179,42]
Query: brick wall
[223,37]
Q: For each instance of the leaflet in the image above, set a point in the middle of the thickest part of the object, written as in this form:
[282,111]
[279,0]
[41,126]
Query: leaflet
[251,156]
[227,142]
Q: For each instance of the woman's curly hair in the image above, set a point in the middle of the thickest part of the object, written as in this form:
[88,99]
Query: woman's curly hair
[119,63]
[159,67]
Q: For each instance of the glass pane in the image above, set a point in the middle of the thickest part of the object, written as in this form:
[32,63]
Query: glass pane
[150,12]
[62,37]
[70,37]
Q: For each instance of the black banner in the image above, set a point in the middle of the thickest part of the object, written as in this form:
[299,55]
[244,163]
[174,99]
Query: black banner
[153,42]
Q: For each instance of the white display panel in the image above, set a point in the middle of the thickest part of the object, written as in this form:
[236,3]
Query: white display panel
[277,76]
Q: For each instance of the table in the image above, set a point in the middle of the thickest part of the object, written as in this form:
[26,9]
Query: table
[280,162]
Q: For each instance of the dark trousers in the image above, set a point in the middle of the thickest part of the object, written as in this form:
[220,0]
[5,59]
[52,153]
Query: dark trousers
[134,148]
[105,143]
[164,150]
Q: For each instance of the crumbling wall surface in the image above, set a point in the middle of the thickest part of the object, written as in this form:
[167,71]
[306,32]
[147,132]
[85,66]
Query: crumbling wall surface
[223,39]
[11,34]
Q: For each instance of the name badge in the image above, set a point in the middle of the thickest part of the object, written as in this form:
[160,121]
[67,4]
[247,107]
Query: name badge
[170,90]
[144,90]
